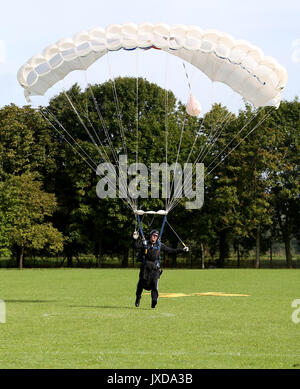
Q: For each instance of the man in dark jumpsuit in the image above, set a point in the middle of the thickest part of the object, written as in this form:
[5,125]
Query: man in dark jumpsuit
[150,271]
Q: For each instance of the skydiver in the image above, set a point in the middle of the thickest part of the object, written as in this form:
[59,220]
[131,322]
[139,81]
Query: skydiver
[150,270]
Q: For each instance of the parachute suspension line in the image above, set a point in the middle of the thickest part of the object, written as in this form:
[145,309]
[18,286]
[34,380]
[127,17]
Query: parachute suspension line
[117,104]
[214,135]
[232,149]
[137,108]
[94,142]
[74,148]
[166,126]
[103,124]
[176,234]
[195,139]
[189,181]
[81,121]
[220,127]
[137,116]
[212,140]
[107,157]
[106,133]
[201,126]
[229,143]
[179,145]
[177,156]
[178,187]
[87,116]
[176,201]
[71,137]
[133,205]
[254,128]
[140,227]
[151,222]
[248,122]
[89,120]
[90,135]
[69,143]
[190,79]
[108,137]
[162,227]
[187,77]
[198,132]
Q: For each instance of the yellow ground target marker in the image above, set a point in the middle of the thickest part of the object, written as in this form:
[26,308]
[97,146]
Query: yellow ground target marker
[222,294]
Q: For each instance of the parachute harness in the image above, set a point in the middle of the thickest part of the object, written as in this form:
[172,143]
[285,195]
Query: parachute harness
[145,247]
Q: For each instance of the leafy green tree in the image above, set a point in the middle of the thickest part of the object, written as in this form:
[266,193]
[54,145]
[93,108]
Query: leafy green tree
[254,160]
[221,200]
[25,143]
[8,207]
[285,186]
[26,208]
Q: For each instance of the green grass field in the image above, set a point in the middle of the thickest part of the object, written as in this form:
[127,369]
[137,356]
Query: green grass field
[87,319]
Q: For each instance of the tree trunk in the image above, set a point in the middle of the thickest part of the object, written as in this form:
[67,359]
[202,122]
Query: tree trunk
[288,254]
[99,255]
[271,254]
[285,231]
[202,256]
[133,256]
[125,257]
[174,260]
[257,254]
[21,258]
[238,255]
[223,248]
[70,260]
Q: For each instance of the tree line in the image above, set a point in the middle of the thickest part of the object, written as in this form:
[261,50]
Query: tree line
[48,201]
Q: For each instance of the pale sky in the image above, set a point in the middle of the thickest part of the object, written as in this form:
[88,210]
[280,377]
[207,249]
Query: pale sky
[27,27]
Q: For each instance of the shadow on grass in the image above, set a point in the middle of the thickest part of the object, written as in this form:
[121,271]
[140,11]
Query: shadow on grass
[77,306]
[108,307]
[30,301]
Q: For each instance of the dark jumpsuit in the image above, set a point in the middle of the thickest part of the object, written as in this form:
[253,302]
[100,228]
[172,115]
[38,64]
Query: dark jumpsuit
[150,267]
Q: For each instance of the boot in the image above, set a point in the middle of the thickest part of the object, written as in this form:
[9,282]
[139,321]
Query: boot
[137,301]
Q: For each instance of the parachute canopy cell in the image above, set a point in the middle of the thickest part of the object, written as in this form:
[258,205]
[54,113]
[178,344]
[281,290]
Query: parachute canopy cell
[237,63]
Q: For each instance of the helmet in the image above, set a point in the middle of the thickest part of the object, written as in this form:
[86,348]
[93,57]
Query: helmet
[154,232]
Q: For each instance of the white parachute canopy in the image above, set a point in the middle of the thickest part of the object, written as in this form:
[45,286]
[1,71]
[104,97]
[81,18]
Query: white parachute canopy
[237,63]
[240,65]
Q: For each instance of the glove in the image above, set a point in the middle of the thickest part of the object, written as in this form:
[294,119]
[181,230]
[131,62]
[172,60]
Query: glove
[186,249]
[135,235]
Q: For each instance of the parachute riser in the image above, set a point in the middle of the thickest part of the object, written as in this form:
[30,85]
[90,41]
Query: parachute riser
[162,227]
[142,231]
